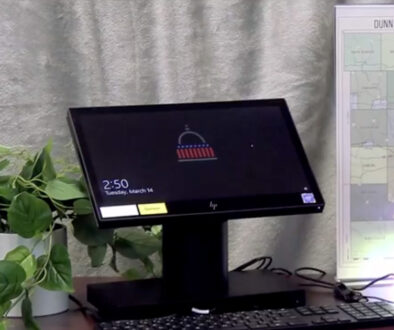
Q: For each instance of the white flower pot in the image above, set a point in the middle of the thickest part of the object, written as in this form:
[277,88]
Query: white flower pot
[44,302]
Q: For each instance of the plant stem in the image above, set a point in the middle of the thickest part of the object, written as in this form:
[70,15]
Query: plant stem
[59,206]
[34,284]
[16,301]
[113,263]
[30,183]
[48,255]
[35,245]
[42,273]
[38,180]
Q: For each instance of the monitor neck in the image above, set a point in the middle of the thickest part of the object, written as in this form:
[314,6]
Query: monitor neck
[195,258]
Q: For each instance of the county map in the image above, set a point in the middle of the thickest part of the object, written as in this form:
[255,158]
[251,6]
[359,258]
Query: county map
[369,63]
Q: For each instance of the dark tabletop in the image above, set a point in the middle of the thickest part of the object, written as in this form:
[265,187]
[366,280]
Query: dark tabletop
[75,320]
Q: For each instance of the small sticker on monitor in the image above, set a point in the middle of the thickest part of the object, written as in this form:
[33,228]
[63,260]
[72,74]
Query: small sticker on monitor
[152,208]
[308,198]
[119,211]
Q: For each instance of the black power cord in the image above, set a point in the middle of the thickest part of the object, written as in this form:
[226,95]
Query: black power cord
[378,298]
[321,273]
[281,271]
[85,310]
[347,294]
[374,281]
[340,290]
[371,283]
[264,263]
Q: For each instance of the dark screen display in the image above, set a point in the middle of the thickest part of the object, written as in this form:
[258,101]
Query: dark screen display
[182,159]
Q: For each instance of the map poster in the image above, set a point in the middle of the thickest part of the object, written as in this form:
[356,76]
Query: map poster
[365,141]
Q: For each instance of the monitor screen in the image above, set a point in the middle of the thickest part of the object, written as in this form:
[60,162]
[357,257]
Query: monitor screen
[152,163]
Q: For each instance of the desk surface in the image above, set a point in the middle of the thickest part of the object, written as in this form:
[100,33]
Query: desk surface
[74,319]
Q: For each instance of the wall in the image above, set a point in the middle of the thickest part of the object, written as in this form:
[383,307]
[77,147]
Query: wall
[58,54]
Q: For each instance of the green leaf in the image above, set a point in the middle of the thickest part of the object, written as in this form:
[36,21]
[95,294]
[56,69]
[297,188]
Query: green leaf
[11,277]
[5,179]
[27,170]
[28,215]
[58,270]
[7,192]
[136,243]
[133,274]
[149,266]
[97,254]
[27,315]
[62,177]
[3,324]
[22,256]
[4,150]
[62,191]
[156,230]
[82,184]
[4,163]
[113,262]
[4,308]
[82,207]
[87,232]
[43,163]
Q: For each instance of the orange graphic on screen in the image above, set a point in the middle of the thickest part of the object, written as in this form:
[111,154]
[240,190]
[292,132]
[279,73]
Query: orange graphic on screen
[193,147]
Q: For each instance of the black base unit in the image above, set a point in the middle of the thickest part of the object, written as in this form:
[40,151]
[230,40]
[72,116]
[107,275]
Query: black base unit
[144,298]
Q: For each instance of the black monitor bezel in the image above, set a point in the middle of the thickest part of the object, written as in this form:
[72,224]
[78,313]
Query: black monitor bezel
[208,215]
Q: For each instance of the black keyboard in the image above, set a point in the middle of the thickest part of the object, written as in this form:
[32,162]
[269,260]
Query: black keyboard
[345,316]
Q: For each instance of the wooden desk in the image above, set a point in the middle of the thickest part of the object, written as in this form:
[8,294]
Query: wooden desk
[75,320]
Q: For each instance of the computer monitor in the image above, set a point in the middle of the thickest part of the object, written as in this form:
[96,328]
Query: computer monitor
[192,167]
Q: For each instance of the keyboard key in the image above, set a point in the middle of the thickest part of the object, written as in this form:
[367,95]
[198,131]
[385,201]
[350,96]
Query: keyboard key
[304,311]
[344,320]
[298,323]
[330,310]
[317,310]
[329,319]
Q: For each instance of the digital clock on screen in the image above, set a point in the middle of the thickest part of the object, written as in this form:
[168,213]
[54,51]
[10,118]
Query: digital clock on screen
[115,184]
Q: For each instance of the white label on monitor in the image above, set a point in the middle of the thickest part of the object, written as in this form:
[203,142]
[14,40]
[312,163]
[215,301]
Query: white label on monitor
[308,198]
[119,211]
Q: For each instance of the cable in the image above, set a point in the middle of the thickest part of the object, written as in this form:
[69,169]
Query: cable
[281,271]
[380,299]
[85,310]
[316,285]
[322,272]
[347,294]
[340,290]
[75,301]
[374,281]
[264,262]
[307,278]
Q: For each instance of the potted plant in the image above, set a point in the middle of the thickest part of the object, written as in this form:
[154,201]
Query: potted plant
[37,203]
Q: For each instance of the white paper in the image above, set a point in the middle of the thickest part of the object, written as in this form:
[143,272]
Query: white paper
[365,141]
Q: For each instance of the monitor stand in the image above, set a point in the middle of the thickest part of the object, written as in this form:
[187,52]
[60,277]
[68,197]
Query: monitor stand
[195,275]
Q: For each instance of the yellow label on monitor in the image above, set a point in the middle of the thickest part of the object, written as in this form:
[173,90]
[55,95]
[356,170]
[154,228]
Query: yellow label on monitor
[152,208]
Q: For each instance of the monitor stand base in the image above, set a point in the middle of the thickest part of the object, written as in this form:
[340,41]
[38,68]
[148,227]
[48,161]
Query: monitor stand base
[143,298]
